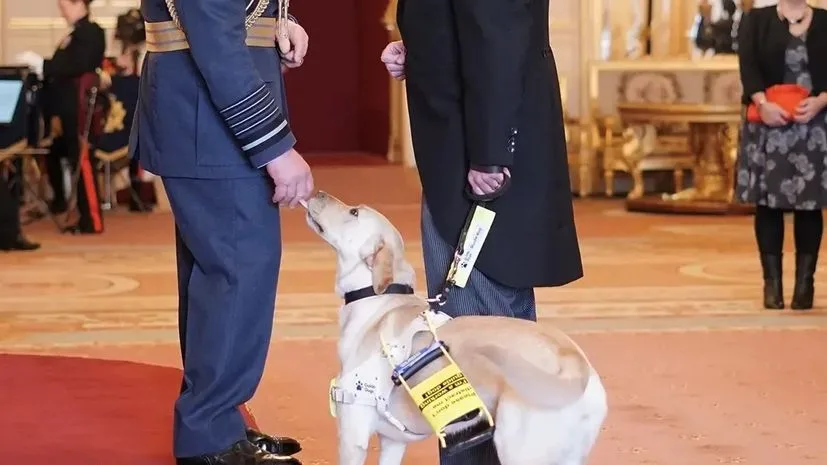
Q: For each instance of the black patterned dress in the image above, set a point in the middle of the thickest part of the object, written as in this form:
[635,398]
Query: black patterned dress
[785,167]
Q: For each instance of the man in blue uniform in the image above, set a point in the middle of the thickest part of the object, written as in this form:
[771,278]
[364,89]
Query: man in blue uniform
[212,123]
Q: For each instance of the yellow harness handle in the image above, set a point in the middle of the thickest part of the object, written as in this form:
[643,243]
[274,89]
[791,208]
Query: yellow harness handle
[453,367]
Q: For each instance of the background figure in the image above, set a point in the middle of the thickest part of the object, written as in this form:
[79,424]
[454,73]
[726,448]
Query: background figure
[11,238]
[782,162]
[131,34]
[703,31]
[485,105]
[724,40]
[212,122]
[715,35]
[65,75]
[744,7]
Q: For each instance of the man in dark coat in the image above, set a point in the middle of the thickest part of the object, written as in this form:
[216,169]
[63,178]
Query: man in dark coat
[484,103]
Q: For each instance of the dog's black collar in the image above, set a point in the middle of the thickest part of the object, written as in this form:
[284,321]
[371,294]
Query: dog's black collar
[366,292]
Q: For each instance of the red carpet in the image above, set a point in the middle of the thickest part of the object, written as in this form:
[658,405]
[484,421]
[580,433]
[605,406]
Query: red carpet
[76,411]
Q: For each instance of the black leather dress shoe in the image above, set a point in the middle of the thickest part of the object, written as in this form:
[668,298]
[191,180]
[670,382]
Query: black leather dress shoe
[139,208]
[241,453]
[278,445]
[19,244]
[75,230]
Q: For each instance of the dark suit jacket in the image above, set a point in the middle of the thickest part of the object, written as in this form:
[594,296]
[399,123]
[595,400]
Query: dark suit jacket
[762,43]
[81,52]
[482,89]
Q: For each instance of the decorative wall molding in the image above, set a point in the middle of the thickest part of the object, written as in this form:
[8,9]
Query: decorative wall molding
[565,39]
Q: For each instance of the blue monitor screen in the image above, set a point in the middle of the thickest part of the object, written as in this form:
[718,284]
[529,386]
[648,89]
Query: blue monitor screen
[10,93]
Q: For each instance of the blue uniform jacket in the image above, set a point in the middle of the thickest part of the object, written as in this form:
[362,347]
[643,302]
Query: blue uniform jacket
[216,110]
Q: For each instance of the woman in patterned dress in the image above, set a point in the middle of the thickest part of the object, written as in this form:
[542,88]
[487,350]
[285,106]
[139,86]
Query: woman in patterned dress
[782,162]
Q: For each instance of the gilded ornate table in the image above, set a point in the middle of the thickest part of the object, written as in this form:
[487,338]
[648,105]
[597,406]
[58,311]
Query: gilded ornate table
[713,139]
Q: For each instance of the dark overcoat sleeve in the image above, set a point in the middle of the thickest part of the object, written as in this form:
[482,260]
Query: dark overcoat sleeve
[494,37]
[751,79]
[84,53]
[216,35]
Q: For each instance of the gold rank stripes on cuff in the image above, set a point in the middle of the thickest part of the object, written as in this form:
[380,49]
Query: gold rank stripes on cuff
[257,122]
[165,36]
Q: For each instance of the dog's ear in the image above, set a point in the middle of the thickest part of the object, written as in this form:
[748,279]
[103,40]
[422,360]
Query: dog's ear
[380,261]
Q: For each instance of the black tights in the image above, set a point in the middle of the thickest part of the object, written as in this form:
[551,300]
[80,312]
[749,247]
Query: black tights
[769,230]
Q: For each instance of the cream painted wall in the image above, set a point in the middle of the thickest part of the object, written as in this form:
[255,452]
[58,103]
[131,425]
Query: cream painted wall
[40,28]
[565,40]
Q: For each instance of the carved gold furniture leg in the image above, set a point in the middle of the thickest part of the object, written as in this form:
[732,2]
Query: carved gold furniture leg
[637,178]
[711,174]
[609,176]
[677,175]
[608,161]
[731,140]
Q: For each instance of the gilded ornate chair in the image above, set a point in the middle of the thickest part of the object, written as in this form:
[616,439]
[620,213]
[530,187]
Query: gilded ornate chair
[642,148]
[635,149]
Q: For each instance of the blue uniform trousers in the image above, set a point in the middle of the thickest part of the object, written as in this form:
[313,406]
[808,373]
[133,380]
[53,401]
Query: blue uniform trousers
[481,296]
[228,244]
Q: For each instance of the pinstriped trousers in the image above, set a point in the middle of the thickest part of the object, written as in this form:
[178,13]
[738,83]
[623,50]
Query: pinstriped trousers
[481,296]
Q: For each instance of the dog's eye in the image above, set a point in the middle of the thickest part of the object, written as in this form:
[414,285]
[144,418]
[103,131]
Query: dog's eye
[354,212]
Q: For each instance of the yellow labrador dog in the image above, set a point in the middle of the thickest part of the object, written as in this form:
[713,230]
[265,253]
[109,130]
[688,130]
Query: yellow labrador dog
[547,401]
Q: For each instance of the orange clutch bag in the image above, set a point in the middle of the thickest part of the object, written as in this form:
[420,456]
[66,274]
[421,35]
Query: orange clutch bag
[786,96]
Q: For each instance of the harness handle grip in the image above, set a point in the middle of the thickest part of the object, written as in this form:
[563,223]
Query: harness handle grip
[408,371]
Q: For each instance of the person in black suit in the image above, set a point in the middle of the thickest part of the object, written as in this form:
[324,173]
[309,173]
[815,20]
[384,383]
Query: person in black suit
[484,104]
[79,55]
[782,162]
[11,238]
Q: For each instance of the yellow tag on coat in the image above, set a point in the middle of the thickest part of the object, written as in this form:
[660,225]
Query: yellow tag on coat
[474,239]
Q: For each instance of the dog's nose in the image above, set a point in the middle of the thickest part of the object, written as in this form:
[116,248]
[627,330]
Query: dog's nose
[321,195]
